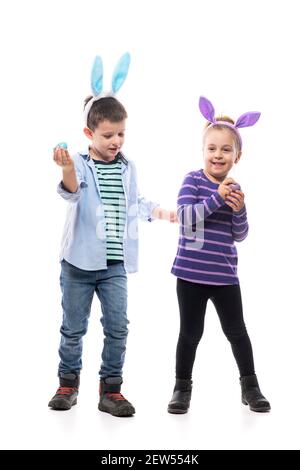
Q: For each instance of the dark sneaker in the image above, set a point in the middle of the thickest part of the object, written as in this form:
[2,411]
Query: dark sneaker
[66,394]
[111,400]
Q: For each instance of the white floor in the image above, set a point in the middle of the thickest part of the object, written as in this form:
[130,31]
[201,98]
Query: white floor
[215,421]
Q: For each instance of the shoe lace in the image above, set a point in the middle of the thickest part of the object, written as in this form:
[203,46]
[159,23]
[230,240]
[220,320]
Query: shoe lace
[65,390]
[115,396]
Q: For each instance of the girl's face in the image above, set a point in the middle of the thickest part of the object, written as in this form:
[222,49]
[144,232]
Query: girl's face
[220,154]
[107,139]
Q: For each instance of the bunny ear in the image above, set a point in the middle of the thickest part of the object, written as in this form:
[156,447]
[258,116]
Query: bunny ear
[207,109]
[97,76]
[120,72]
[247,119]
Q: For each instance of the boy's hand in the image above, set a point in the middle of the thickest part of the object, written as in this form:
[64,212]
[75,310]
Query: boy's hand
[173,217]
[164,214]
[224,188]
[62,158]
[235,200]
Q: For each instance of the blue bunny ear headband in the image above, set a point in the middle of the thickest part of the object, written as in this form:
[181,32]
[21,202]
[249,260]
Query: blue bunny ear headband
[118,78]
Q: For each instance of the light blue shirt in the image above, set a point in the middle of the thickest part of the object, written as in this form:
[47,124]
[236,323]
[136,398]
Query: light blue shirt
[84,236]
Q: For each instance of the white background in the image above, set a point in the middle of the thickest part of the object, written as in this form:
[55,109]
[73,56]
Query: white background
[243,56]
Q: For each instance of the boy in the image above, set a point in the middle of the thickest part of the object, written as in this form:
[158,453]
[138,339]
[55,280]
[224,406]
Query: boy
[100,246]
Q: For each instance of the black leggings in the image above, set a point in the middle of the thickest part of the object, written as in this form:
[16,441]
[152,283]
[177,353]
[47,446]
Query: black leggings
[192,299]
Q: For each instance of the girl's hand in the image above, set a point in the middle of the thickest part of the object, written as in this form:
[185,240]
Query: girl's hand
[62,158]
[224,188]
[235,200]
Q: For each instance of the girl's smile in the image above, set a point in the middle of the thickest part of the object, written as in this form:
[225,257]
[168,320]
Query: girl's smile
[219,153]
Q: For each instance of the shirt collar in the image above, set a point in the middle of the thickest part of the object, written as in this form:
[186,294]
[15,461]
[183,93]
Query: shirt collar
[85,155]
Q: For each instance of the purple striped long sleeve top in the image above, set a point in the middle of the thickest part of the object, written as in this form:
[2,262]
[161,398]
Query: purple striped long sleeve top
[208,229]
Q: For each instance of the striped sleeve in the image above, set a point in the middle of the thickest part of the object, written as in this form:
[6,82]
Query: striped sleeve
[189,210]
[240,225]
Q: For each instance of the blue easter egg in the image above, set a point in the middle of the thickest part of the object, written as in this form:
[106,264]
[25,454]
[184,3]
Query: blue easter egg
[62,145]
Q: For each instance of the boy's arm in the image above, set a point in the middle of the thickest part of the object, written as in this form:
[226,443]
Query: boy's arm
[149,211]
[146,208]
[69,181]
[70,186]
[164,214]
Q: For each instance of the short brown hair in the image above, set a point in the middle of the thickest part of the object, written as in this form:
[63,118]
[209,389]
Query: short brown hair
[106,108]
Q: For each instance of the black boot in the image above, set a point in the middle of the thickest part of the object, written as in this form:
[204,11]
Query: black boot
[181,398]
[251,394]
[66,394]
[111,400]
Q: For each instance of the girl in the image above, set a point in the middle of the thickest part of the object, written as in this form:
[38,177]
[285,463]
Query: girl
[213,216]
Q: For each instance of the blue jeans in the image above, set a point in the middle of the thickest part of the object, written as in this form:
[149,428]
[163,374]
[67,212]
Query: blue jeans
[78,287]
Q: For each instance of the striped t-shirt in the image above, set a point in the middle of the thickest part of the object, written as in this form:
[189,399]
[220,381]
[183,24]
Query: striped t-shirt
[113,198]
[207,256]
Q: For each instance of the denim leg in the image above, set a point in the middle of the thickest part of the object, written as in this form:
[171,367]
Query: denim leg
[78,287]
[112,292]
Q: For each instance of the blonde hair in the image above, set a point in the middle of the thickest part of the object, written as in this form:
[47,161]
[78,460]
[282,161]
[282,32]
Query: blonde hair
[221,126]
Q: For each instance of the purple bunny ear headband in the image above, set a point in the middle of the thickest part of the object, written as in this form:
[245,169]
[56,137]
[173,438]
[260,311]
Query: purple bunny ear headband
[245,120]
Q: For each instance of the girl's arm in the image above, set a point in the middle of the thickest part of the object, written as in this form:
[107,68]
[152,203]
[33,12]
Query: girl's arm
[240,227]
[191,212]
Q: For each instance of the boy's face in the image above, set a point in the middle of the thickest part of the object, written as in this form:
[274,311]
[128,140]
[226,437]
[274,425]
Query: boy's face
[107,139]
[219,153]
